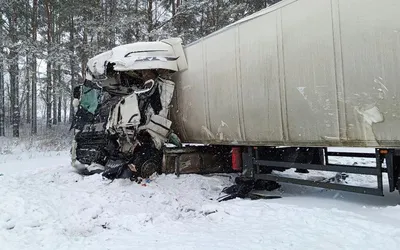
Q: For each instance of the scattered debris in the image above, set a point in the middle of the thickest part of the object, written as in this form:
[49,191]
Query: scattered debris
[106,225]
[338,178]
[207,213]
[244,187]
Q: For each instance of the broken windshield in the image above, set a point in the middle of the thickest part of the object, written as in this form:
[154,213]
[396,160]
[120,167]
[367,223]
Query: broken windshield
[90,99]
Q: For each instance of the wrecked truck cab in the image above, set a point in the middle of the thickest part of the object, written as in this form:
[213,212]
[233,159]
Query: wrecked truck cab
[121,122]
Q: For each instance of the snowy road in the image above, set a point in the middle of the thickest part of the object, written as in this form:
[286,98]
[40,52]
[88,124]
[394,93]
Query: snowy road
[44,205]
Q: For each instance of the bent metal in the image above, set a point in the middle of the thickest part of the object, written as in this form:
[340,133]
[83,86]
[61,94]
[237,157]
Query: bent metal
[121,122]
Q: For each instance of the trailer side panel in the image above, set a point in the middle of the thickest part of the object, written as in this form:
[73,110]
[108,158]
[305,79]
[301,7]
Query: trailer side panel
[302,73]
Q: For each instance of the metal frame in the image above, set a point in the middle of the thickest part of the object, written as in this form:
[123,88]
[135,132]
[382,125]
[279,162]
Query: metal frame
[203,164]
[393,169]
[252,164]
[176,153]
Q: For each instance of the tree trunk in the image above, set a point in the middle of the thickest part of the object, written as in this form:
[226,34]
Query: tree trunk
[54,92]
[216,16]
[13,71]
[48,79]
[48,95]
[59,92]
[2,103]
[27,80]
[33,68]
[28,96]
[201,30]
[72,65]
[65,109]
[178,20]
[84,54]
[137,26]
[2,107]
[150,20]
[54,72]
[173,7]
[113,7]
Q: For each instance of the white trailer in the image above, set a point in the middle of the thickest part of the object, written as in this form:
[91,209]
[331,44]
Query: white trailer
[299,73]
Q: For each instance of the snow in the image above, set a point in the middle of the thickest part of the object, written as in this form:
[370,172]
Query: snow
[45,205]
[141,55]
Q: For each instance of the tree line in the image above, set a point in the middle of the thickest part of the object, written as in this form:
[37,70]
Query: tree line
[45,45]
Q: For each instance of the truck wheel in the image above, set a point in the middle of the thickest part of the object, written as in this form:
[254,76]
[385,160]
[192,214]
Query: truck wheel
[149,167]
[148,161]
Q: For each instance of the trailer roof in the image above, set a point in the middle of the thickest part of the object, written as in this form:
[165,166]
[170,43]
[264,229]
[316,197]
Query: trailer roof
[262,12]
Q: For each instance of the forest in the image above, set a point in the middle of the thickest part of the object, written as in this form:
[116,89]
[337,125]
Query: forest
[45,45]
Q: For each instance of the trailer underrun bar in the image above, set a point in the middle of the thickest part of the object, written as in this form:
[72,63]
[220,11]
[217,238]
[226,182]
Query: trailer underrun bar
[255,167]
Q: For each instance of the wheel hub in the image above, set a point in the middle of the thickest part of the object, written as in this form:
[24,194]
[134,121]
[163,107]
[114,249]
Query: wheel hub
[149,168]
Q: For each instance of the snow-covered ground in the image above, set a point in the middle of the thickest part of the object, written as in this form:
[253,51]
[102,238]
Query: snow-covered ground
[45,205]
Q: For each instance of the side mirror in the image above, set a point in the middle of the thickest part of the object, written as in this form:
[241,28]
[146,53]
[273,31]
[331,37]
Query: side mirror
[148,86]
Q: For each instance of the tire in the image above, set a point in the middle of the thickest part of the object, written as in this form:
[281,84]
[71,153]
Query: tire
[148,161]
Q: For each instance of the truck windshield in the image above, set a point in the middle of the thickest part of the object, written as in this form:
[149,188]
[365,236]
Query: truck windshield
[90,99]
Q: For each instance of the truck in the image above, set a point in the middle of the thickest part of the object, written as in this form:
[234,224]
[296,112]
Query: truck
[268,93]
